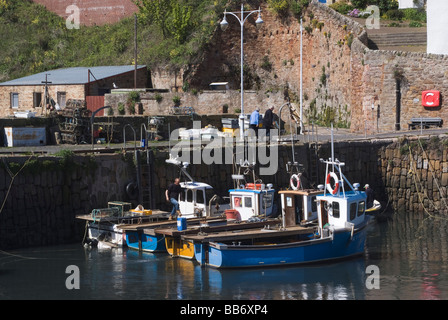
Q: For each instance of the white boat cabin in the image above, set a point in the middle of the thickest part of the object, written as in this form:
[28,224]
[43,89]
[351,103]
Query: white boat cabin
[338,208]
[299,206]
[341,212]
[198,199]
[252,200]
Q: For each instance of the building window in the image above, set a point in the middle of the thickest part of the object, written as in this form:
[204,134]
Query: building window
[37,99]
[61,99]
[14,100]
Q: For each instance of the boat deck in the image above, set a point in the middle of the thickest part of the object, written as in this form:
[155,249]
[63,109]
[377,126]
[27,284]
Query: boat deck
[239,234]
[156,215]
[148,228]
[229,226]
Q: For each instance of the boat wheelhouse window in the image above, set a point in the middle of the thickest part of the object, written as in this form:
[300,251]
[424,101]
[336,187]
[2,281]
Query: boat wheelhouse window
[247,202]
[266,200]
[313,204]
[361,208]
[200,196]
[237,202]
[189,195]
[335,206]
[353,208]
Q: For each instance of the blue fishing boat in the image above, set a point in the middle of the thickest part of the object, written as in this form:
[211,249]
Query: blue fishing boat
[338,232]
[197,200]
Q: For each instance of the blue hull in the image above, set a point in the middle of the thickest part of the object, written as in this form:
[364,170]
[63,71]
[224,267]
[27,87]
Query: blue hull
[148,243]
[341,245]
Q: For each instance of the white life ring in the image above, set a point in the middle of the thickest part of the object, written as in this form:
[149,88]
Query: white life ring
[295,185]
[328,184]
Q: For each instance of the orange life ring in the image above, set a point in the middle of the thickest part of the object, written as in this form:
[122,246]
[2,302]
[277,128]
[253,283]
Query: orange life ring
[295,186]
[328,185]
[253,186]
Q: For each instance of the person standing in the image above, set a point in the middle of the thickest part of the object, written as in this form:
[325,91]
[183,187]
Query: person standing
[254,121]
[268,121]
[369,194]
[172,195]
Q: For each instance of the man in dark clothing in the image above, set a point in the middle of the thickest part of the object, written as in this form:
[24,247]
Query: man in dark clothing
[268,121]
[369,194]
[172,195]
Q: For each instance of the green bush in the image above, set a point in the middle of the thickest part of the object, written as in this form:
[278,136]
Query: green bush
[158,97]
[341,7]
[176,100]
[415,24]
[121,109]
[394,14]
[414,14]
[36,40]
[280,7]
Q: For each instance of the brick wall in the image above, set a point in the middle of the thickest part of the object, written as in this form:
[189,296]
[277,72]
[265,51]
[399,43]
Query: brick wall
[93,12]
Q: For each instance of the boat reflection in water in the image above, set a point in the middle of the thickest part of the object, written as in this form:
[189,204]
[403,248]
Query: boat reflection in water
[186,279]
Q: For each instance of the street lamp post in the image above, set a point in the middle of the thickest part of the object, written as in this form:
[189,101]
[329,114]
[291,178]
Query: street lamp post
[224,24]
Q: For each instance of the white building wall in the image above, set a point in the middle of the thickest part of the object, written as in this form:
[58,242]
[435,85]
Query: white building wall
[437,26]
[405,4]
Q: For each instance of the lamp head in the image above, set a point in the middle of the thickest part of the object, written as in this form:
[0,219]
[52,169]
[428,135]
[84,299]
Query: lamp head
[224,24]
[259,22]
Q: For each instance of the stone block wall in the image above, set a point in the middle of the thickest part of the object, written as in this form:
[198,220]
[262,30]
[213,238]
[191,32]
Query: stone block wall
[40,204]
[407,174]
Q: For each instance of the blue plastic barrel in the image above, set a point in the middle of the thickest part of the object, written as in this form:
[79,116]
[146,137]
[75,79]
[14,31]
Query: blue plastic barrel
[181,224]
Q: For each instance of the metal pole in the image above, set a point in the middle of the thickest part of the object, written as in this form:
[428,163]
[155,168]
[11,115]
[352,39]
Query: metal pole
[135,51]
[242,75]
[301,79]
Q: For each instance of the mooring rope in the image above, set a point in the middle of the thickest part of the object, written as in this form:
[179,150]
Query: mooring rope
[413,171]
[13,176]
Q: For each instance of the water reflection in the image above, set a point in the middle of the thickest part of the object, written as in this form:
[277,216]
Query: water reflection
[168,278]
[342,280]
[411,253]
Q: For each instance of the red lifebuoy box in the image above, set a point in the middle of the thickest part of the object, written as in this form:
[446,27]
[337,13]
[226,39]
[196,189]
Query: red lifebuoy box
[232,214]
[431,98]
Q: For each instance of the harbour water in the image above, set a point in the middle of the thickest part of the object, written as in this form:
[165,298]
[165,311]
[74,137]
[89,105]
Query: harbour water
[410,253]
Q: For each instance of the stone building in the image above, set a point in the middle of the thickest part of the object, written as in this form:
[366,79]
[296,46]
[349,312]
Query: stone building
[90,84]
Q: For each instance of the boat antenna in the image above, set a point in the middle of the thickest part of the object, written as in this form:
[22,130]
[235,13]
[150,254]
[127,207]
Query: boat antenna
[332,146]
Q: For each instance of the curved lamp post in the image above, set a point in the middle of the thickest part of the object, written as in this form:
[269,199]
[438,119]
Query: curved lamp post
[224,25]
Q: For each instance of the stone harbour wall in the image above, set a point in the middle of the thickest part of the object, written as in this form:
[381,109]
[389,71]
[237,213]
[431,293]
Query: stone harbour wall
[407,174]
[40,205]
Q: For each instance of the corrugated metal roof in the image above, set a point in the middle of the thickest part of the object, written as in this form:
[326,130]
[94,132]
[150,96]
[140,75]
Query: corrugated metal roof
[77,75]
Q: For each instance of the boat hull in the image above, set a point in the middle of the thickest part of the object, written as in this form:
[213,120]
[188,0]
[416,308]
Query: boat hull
[179,248]
[144,242]
[107,232]
[341,244]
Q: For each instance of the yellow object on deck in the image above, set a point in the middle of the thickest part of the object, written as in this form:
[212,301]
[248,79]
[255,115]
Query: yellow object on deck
[229,130]
[142,212]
